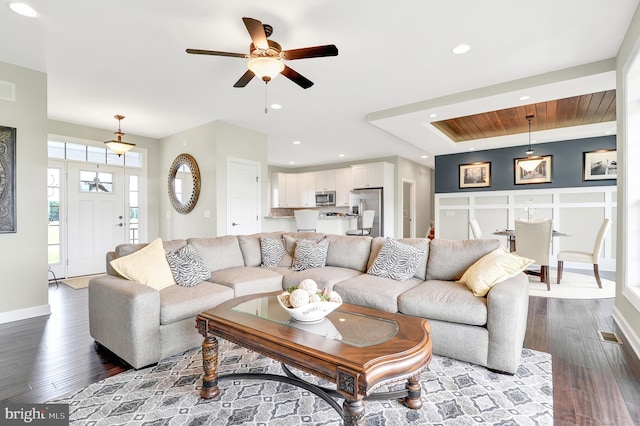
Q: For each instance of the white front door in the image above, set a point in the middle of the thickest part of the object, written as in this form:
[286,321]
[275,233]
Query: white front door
[96,216]
[243,197]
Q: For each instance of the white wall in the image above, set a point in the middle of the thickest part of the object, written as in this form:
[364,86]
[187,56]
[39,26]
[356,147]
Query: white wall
[422,177]
[24,254]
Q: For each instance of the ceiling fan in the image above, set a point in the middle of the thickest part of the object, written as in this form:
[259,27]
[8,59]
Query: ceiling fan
[266,56]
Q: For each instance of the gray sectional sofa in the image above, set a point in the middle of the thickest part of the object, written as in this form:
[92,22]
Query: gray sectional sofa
[142,325]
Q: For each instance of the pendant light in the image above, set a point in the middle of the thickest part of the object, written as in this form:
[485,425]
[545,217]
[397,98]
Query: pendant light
[119,146]
[531,162]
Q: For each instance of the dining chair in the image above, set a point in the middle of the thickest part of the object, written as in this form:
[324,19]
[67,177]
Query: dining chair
[306,220]
[586,257]
[533,240]
[475,229]
[367,224]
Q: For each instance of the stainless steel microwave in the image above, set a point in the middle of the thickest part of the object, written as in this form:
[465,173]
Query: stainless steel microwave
[326,198]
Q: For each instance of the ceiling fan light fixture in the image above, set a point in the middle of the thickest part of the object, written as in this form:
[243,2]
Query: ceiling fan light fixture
[265,68]
[119,146]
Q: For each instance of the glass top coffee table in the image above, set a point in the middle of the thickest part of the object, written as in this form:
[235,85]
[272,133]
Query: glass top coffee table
[359,349]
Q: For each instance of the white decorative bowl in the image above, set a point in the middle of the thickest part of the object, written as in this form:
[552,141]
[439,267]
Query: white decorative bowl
[310,312]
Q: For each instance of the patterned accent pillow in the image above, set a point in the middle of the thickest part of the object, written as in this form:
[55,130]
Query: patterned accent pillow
[272,250]
[396,260]
[187,266]
[310,254]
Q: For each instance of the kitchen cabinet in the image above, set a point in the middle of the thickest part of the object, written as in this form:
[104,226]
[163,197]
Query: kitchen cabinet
[284,190]
[306,189]
[368,175]
[344,183]
[326,180]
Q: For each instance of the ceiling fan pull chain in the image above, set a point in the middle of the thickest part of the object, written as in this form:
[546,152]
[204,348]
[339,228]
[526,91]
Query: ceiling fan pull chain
[266,110]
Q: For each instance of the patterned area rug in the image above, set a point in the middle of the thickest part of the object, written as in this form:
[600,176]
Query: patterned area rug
[454,393]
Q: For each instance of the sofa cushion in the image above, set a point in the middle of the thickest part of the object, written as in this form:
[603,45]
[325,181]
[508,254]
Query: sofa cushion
[396,260]
[310,254]
[250,247]
[272,250]
[169,245]
[349,251]
[187,266]
[326,277]
[446,301]
[219,253]
[420,243]
[374,292]
[248,280]
[449,259]
[147,265]
[178,303]
[493,268]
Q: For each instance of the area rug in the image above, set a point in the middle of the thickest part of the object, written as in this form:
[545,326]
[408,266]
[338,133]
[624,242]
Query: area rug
[572,286]
[454,393]
[79,282]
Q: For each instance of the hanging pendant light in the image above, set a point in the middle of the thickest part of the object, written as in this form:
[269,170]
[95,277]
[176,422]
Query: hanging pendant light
[532,161]
[119,146]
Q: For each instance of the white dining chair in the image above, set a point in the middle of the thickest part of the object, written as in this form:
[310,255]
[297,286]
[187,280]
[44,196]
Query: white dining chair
[367,224]
[584,256]
[533,240]
[475,229]
[306,220]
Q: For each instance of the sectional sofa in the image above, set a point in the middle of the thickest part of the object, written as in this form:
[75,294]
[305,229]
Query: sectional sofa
[143,325]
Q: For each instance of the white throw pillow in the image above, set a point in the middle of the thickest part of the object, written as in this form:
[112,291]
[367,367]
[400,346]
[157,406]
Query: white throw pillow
[493,268]
[148,266]
[396,260]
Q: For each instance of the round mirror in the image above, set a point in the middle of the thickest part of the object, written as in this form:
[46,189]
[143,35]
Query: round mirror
[184,183]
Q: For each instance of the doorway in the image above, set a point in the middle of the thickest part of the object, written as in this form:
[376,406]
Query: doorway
[243,197]
[408,209]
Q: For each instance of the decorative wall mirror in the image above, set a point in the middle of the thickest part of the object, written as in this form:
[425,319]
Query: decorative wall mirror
[184,183]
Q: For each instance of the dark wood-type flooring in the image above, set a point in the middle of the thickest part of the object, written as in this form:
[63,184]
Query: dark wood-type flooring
[594,382]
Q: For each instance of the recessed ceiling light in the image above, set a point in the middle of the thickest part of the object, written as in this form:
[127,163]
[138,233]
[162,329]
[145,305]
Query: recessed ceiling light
[292,162]
[23,9]
[608,132]
[472,149]
[297,142]
[525,97]
[433,115]
[461,48]
[276,106]
[424,156]
[340,155]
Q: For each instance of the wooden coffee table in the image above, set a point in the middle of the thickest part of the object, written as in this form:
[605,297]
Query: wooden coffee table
[359,349]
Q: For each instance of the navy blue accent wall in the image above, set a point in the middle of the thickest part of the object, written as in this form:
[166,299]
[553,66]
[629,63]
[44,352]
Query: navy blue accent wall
[566,165]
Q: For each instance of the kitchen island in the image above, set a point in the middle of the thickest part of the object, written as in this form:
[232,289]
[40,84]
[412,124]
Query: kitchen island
[326,224]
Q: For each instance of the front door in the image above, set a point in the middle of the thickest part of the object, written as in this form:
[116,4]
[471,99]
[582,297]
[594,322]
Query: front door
[243,198]
[96,216]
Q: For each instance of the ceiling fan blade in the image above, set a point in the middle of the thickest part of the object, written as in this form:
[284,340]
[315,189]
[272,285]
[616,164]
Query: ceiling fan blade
[311,52]
[245,79]
[256,31]
[299,79]
[216,53]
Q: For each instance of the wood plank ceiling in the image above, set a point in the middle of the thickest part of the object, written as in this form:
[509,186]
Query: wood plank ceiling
[591,108]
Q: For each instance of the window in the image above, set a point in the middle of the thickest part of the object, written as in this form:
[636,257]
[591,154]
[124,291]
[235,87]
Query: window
[96,182]
[53,198]
[134,210]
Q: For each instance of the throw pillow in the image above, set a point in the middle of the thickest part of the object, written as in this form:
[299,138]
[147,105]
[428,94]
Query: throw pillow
[148,266]
[396,260]
[492,269]
[187,266]
[272,250]
[310,254]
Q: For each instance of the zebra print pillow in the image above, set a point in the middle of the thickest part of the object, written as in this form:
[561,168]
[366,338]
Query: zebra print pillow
[310,254]
[396,260]
[187,266]
[272,250]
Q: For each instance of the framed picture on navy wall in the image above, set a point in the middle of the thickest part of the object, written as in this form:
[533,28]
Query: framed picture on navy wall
[475,175]
[600,165]
[533,170]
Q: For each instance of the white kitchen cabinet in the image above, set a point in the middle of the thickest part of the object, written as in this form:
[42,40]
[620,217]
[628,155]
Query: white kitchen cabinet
[369,175]
[306,189]
[284,190]
[291,190]
[344,184]
[326,180]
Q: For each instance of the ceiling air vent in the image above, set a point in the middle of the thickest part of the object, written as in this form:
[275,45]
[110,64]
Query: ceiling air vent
[610,337]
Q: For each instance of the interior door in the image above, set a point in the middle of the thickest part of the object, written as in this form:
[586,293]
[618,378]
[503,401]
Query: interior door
[96,216]
[243,195]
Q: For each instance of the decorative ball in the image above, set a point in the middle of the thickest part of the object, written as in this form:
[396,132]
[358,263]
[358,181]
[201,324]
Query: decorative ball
[314,298]
[285,298]
[334,297]
[310,285]
[299,297]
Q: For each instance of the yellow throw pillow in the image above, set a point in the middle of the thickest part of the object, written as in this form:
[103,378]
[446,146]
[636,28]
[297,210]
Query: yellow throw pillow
[492,269]
[148,266]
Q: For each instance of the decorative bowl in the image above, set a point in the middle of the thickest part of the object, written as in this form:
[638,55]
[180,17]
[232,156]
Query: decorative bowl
[311,311]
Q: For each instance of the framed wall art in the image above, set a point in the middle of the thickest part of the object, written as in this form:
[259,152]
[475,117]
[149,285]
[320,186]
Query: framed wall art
[475,175]
[600,165]
[539,173]
[7,179]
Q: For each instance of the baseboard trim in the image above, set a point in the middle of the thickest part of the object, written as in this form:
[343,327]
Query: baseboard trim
[629,334]
[26,313]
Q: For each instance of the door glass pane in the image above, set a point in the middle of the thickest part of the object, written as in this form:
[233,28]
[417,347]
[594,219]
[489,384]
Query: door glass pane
[96,155]
[53,197]
[134,210]
[96,182]
[55,149]
[76,152]
[134,159]
[114,159]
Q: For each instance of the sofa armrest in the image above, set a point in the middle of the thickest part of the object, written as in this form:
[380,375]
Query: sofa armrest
[507,311]
[124,316]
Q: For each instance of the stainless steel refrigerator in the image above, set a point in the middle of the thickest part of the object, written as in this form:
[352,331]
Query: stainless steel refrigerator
[368,199]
